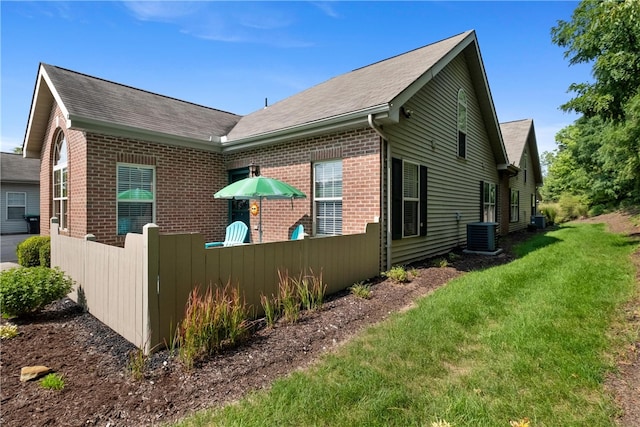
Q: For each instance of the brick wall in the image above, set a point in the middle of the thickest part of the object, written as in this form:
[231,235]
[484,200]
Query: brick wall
[186,180]
[292,162]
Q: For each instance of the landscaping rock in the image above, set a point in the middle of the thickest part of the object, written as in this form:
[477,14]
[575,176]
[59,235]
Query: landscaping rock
[29,373]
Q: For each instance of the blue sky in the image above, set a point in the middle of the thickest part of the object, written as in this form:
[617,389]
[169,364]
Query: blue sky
[233,55]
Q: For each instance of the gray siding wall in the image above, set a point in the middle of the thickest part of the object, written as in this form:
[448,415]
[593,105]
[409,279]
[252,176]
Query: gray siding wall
[429,137]
[526,189]
[33,206]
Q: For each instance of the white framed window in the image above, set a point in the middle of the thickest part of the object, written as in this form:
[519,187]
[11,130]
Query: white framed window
[489,202]
[61,182]
[462,124]
[514,215]
[135,197]
[524,166]
[327,191]
[16,205]
[410,199]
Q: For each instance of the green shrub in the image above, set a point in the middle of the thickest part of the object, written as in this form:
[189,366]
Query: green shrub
[397,274]
[45,253]
[361,290]
[28,251]
[571,207]
[550,212]
[597,210]
[27,290]
[8,331]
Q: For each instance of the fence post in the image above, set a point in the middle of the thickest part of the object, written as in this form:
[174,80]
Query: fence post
[150,307]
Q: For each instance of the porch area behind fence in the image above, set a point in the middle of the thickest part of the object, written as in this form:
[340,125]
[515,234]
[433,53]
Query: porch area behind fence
[140,290]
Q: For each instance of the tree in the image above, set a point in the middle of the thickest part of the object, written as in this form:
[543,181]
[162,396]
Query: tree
[606,33]
[17,150]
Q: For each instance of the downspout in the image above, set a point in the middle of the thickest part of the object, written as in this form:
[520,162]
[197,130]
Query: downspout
[387,218]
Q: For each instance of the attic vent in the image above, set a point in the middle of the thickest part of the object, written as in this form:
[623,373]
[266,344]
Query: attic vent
[482,236]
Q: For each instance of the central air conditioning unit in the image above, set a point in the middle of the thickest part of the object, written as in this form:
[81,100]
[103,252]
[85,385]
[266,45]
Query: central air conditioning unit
[482,236]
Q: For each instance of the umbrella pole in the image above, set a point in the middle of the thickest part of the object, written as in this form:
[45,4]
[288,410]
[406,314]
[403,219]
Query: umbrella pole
[260,222]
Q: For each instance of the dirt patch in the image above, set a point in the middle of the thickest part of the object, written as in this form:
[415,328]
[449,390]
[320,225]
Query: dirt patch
[100,390]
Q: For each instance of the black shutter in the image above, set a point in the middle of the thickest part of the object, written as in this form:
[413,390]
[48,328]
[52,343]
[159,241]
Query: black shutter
[396,198]
[498,207]
[423,200]
[481,201]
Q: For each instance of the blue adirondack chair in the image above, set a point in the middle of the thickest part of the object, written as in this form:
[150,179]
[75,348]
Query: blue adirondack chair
[298,233]
[236,233]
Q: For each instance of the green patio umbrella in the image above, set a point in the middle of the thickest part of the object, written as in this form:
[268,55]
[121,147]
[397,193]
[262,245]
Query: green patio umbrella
[135,194]
[258,188]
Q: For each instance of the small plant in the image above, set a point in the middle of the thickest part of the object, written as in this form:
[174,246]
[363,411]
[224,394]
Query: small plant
[137,363]
[27,290]
[289,297]
[443,263]
[8,331]
[361,290]
[52,382]
[453,256]
[397,274]
[28,251]
[311,291]
[271,308]
[414,272]
[211,321]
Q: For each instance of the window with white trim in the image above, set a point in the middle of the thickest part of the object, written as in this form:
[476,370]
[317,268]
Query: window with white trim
[327,190]
[462,124]
[410,199]
[61,182]
[524,166]
[489,202]
[135,197]
[16,205]
[514,215]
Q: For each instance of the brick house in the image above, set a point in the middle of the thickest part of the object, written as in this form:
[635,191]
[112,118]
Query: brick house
[412,141]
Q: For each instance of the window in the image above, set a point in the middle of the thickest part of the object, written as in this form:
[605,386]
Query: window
[524,166]
[60,182]
[328,197]
[489,202]
[136,198]
[16,205]
[408,199]
[515,206]
[462,124]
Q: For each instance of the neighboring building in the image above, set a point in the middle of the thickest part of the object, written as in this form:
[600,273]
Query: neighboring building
[412,141]
[522,189]
[19,192]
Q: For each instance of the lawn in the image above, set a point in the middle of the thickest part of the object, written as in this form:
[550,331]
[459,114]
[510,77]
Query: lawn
[529,340]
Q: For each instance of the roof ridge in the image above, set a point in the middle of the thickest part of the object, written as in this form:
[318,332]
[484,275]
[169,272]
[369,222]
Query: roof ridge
[514,121]
[136,89]
[412,50]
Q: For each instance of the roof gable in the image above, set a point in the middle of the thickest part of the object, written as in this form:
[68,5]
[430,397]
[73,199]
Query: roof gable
[90,103]
[517,135]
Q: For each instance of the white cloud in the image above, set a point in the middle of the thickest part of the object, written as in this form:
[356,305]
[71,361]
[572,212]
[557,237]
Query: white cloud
[327,8]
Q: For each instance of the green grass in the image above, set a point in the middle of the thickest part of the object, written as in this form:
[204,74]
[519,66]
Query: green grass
[525,340]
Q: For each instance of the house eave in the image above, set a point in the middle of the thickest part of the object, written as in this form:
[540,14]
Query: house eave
[101,127]
[383,114]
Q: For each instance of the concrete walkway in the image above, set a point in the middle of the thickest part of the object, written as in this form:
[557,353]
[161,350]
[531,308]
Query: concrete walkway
[8,244]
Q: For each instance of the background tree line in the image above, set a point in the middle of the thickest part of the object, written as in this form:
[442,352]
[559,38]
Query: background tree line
[597,162]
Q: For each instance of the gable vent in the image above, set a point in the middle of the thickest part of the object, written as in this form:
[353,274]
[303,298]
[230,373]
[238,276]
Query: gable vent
[482,236]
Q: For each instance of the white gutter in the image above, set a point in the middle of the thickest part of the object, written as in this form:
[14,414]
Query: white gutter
[387,218]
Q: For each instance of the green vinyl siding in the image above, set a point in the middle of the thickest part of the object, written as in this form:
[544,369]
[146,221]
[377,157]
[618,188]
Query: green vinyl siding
[429,137]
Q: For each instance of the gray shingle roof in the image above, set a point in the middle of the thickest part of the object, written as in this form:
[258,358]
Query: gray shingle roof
[92,98]
[358,90]
[515,135]
[16,169]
